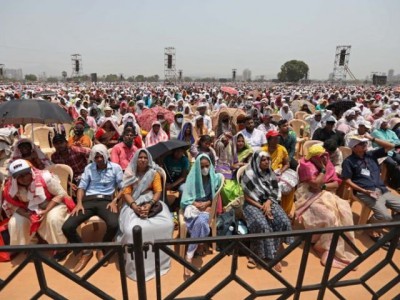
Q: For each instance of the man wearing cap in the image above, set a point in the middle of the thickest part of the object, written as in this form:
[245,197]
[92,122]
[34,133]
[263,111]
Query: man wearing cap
[35,202]
[95,197]
[328,132]
[73,156]
[363,128]
[317,119]
[254,137]
[393,110]
[202,108]
[362,173]
[108,113]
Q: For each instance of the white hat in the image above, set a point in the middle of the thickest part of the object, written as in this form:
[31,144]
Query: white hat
[355,140]
[365,123]
[107,108]
[202,105]
[19,167]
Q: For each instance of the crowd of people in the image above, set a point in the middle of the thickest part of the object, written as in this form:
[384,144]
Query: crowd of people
[252,128]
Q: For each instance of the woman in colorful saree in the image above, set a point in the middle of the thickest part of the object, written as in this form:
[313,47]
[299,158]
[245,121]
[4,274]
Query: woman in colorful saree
[317,205]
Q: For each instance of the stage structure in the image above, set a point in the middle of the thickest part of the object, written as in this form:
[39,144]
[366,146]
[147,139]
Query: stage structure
[341,65]
[76,61]
[1,71]
[233,75]
[170,64]
[180,72]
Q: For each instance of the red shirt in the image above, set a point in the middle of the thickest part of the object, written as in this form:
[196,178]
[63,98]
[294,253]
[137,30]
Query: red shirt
[122,155]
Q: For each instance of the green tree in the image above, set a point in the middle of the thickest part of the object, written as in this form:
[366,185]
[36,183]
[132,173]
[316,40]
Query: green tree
[30,77]
[140,78]
[64,74]
[111,78]
[52,79]
[131,79]
[293,71]
[187,79]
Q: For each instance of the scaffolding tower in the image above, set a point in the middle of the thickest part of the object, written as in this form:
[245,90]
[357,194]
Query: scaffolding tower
[341,64]
[76,61]
[170,64]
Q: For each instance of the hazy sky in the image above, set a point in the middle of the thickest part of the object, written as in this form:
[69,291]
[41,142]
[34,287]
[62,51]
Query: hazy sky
[210,36]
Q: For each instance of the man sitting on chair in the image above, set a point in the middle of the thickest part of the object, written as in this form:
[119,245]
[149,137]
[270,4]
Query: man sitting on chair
[362,173]
[73,156]
[95,198]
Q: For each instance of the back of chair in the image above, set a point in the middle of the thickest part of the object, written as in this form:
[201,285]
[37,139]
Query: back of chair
[298,126]
[215,200]
[43,135]
[308,144]
[64,173]
[240,172]
[276,117]
[28,128]
[300,115]
[346,151]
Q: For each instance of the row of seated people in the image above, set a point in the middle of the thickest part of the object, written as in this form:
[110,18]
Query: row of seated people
[260,184]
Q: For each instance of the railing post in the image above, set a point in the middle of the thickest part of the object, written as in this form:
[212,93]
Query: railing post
[139,262]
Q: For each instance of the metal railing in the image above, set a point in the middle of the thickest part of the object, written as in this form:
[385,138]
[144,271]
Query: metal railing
[237,243]
[37,254]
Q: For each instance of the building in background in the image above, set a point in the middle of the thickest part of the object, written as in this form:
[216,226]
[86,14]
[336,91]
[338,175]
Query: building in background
[13,74]
[246,75]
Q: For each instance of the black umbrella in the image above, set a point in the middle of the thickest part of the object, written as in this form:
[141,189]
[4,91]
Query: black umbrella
[32,111]
[339,107]
[162,148]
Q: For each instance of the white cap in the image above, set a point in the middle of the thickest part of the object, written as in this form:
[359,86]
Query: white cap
[18,167]
[355,140]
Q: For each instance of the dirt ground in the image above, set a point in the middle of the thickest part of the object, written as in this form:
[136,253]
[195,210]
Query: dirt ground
[25,285]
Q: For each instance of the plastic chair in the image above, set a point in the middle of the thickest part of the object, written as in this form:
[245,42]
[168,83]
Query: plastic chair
[300,115]
[276,117]
[43,136]
[240,172]
[298,127]
[212,221]
[64,173]
[308,144]
[28,128]
[346,151]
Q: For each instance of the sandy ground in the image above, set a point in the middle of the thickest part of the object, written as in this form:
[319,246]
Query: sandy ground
[25,285]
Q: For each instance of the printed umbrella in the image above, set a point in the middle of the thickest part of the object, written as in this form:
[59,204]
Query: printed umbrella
[163,148]
[229,90]
[147,117]
[32,111]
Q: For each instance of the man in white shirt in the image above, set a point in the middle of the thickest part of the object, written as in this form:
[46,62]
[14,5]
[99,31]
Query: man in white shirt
[266,125]
[316,120]
[393,110]
[254,137]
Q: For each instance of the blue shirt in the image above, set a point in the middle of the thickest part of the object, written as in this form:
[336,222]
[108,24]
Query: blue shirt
[101,182]
[353,165]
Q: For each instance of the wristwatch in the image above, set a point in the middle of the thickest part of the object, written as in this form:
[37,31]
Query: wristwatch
[323,187]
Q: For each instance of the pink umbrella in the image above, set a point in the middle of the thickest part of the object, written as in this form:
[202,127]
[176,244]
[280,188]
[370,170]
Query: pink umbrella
[147,117]
[229,90]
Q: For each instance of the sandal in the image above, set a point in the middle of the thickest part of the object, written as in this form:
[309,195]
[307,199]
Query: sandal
[251,264]
[186,272]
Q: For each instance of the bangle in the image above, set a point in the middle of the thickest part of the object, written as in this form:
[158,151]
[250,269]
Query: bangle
[130,204]
[373,140]
[323,187]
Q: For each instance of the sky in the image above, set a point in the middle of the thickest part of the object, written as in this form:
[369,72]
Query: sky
[211,37]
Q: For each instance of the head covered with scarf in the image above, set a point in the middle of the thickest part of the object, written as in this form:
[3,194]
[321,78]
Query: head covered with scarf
[258,184]
[182,133]
[40,155]
[242,154]
[99,149]
[194,182]
[140,184]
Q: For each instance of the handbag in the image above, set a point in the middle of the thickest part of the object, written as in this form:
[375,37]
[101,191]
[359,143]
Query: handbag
[288,181]
[155,209]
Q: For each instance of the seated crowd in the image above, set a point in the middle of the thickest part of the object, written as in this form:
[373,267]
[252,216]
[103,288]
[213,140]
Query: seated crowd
[280,179]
